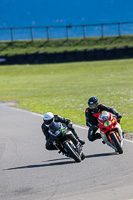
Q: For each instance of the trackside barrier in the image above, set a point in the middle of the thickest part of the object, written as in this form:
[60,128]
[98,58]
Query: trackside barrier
[73,56]
[105,29]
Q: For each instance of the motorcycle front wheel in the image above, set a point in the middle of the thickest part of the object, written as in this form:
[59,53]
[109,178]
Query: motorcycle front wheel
[82,155]
[116,143]
[72,152]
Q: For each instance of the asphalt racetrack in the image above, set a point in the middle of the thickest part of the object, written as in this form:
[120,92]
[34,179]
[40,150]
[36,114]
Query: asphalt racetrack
[29,172]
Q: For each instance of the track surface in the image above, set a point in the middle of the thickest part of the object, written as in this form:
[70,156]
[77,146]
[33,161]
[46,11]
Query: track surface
[29,172]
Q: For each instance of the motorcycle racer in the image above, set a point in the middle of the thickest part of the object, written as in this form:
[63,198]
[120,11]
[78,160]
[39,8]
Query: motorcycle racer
[92,113]
[47,119]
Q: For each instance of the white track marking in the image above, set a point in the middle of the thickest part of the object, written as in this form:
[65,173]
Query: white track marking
[128,140]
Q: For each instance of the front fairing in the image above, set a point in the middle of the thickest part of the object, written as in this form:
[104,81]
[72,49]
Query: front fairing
[57,130]
[107,123]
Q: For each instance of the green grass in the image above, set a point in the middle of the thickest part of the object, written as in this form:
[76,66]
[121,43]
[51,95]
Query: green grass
[59,45]
[64,89]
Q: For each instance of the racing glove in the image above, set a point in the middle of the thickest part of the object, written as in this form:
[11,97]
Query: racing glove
[119,116]
[70,124]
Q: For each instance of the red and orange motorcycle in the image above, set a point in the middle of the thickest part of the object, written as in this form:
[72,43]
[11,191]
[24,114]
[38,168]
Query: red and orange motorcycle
[111,131]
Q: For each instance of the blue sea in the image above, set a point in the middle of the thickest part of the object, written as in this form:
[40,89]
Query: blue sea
[38,13]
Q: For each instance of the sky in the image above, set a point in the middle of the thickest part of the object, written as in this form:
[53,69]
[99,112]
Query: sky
[18,13]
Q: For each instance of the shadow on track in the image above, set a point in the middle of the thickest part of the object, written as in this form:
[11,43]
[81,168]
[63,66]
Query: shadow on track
[56,159]
[100,155]
[44,165]
[62,162]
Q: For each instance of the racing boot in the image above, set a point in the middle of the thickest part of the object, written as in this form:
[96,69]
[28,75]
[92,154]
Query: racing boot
[97,136]
[82,142]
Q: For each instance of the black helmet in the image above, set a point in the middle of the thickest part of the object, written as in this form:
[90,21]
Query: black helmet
[93,103]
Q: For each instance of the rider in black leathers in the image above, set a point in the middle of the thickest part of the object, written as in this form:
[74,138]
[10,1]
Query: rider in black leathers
[92,113]
[48,117]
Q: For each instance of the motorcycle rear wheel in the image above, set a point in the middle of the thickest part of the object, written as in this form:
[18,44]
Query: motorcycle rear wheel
[116,143]
[72,152]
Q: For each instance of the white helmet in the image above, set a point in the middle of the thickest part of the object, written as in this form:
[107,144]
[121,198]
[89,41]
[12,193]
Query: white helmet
[48,118]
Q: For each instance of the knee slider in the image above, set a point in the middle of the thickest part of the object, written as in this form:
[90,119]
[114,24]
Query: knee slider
[91,138]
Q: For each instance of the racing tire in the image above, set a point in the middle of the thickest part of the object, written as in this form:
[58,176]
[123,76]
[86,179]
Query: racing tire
[116,143]
[72,152]
[82,155]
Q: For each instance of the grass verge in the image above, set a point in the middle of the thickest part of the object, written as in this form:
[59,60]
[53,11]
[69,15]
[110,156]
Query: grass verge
[60,45]
[64,89]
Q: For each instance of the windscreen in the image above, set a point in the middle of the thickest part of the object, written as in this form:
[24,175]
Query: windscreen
[104,116]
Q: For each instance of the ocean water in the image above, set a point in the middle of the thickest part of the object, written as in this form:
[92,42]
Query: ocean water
[37,13]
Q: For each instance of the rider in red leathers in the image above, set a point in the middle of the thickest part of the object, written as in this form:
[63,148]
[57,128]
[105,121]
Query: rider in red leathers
[92,113]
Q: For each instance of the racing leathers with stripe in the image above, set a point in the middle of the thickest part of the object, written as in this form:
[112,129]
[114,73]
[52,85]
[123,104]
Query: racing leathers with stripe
[92,120]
